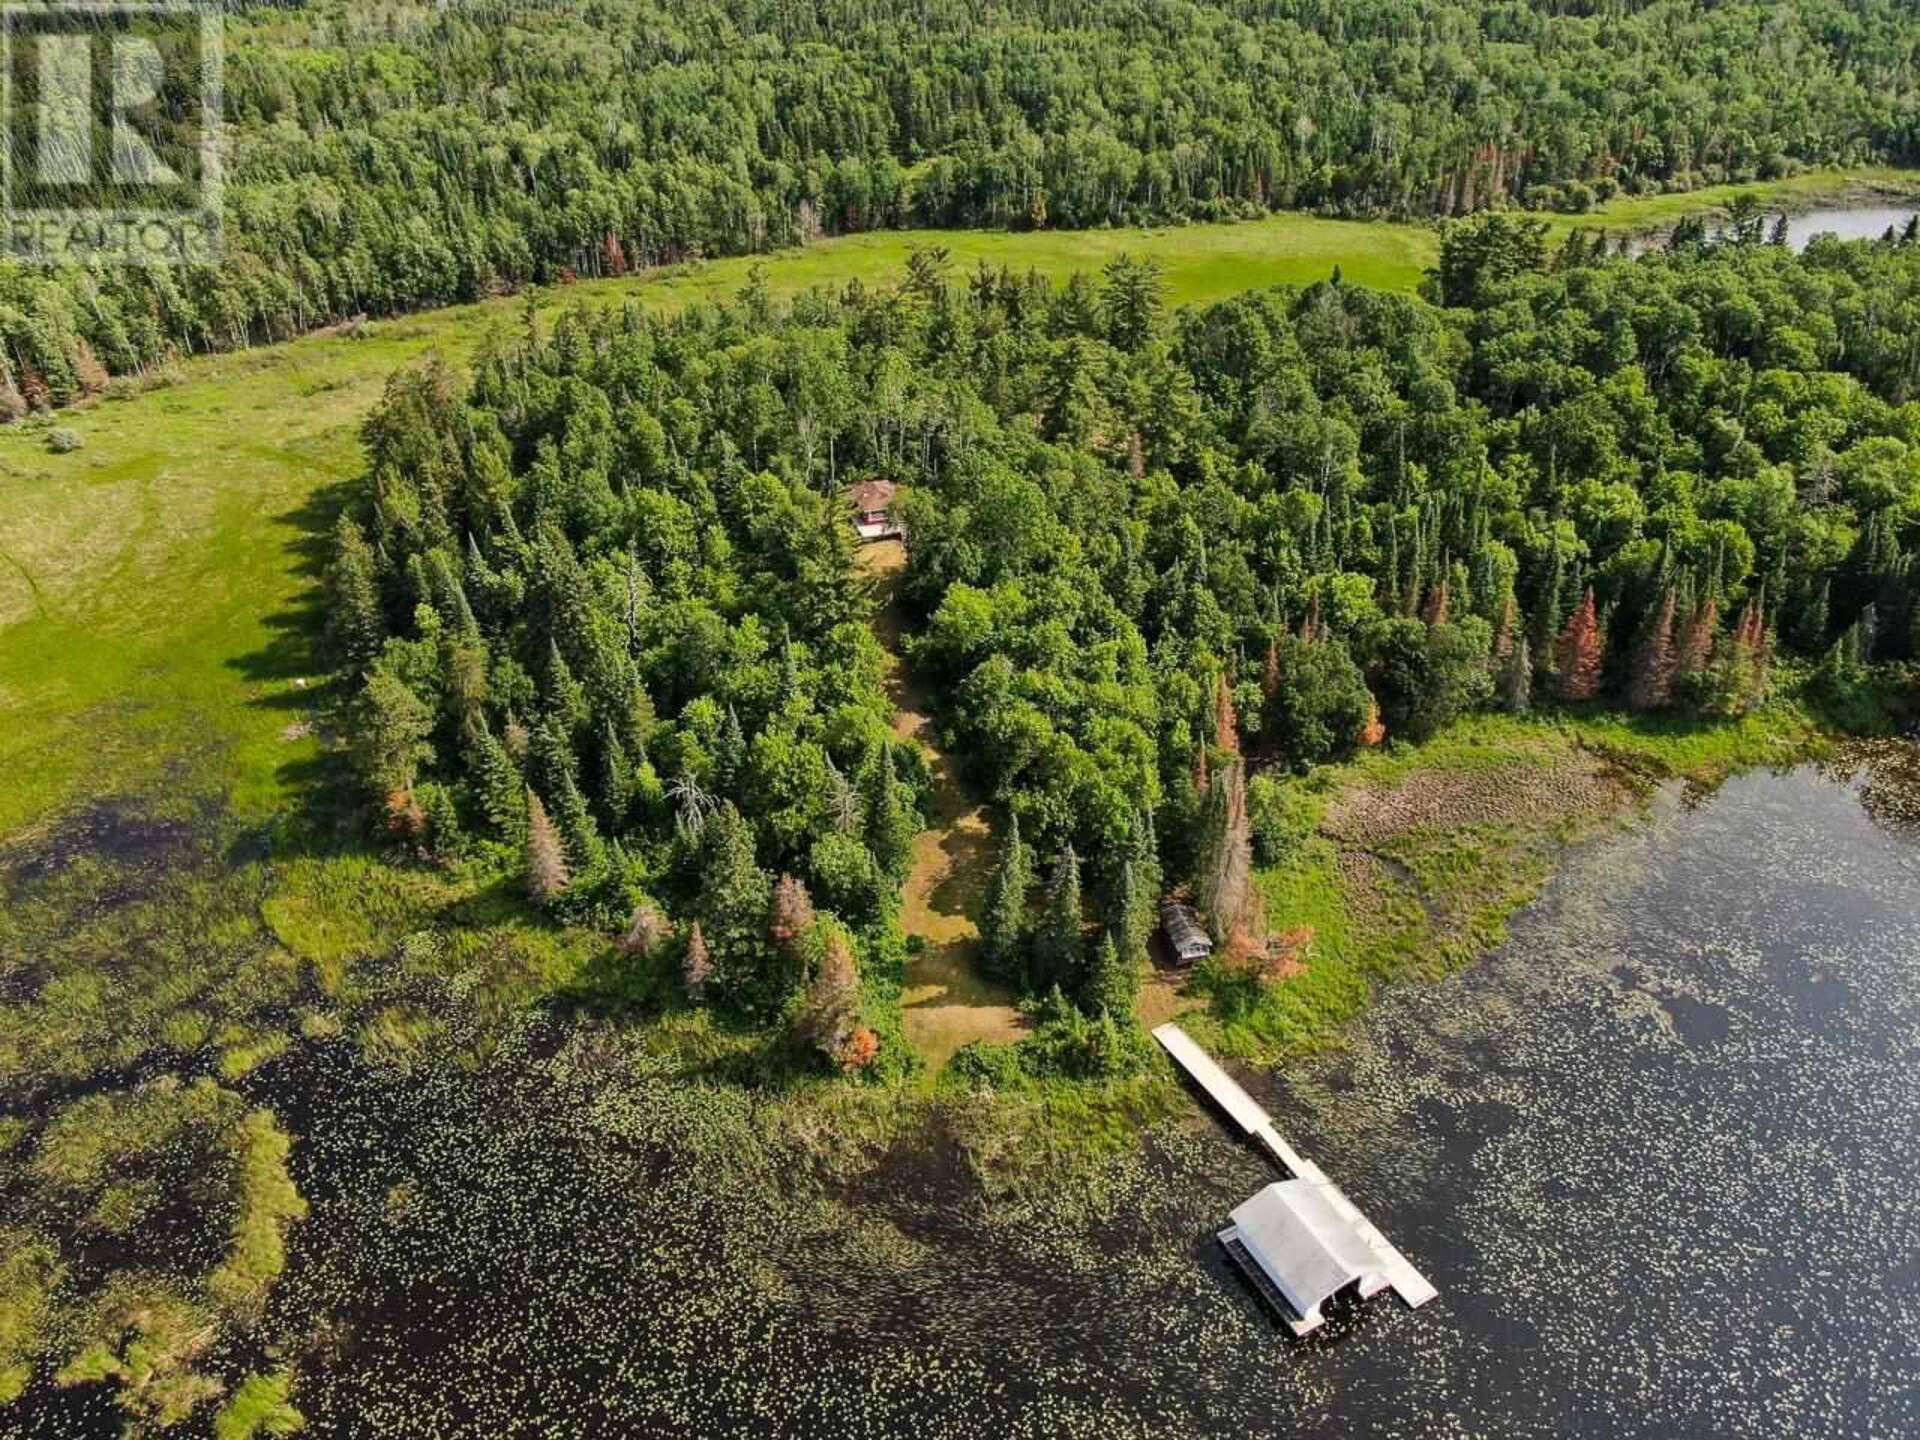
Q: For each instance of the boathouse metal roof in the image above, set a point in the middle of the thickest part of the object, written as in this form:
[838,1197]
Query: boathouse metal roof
[1303,1244]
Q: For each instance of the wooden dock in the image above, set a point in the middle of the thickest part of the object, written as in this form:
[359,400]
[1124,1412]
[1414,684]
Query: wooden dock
[1394,1271]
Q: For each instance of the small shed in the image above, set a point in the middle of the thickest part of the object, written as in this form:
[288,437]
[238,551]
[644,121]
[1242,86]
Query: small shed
[1298,1250]
[872,502]
[1187,938]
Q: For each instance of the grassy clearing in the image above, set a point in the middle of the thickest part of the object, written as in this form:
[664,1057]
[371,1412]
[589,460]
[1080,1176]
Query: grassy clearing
[154,583]
[1420,856]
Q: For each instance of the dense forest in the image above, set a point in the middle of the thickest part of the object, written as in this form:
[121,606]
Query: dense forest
[605,623]
[393,157]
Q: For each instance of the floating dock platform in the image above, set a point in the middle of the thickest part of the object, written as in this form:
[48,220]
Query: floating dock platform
[1300,1240]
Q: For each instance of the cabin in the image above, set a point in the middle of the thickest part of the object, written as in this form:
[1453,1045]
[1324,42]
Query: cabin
[1187,938]
[872,502]
[1299,1251]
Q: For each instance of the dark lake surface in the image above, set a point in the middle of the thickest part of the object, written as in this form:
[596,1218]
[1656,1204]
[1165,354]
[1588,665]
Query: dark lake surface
[1659,1154]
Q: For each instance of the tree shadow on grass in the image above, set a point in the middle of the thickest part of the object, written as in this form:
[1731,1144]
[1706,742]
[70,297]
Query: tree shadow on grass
[292,674]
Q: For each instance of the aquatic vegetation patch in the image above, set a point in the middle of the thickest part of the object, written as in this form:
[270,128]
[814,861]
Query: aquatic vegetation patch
[147,1226]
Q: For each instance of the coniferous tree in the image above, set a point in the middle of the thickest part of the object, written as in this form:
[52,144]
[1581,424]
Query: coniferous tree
[1650,685]
[891,822]
[1503,634]
[614,787]
[1058,953]
[1516,678]
[1113,982]
[1226,729]
[355,625]
[696,965]
[503,791]
[729,756]
[830,1015]
[733,904]
[546,862]
[1579,653]
[1125,910]
[1810,630]
[791,919]
[1003,926]
[391,728]
[1224,876]
[1694,649]
[647,930]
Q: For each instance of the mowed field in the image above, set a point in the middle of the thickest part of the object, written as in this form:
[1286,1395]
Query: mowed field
[152,583]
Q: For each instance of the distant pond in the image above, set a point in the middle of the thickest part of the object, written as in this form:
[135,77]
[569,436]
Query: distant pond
[1850,222]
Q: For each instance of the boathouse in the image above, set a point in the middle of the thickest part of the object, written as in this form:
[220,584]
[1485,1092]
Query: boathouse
[1300,1240]
[1298,1251]
[872,502]
[1187,939]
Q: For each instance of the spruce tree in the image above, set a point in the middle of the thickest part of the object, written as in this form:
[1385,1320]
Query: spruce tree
[735,894]
[354,623]
[503,793]
[647,929]
[1113,981]
[729,756]
[1224,875]
[696,965]
[1003,926]
[1516,678]
[790,921]
[891,823]
[1057,951]
[1650,684]
[1579,653]
[1124,911]
[563,700]
[831,1013]
[1810,629]
[546,861]
[613,782]
[1693,651]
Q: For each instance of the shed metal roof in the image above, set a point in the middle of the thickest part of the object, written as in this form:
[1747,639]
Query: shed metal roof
[1184,931]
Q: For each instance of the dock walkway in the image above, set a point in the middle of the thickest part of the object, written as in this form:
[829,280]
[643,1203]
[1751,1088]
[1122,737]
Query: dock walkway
[1394,1271]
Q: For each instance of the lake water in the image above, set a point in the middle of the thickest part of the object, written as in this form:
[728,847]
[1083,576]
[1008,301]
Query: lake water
[1860,222]
[1659,1154]
[1866,221]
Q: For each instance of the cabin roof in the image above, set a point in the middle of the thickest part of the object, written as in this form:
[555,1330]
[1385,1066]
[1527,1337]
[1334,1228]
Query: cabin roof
[869,496]
[1302,1243]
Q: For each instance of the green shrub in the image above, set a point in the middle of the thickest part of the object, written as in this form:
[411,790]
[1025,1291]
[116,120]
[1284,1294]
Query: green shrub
[1282,814]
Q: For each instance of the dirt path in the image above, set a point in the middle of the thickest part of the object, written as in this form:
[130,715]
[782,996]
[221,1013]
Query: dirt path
[947,1002]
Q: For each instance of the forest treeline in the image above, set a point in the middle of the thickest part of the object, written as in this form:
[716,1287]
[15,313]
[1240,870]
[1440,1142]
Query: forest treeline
[603,621]
[388,158]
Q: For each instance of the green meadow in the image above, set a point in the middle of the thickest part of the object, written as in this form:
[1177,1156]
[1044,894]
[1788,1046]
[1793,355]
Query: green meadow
[151,581]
